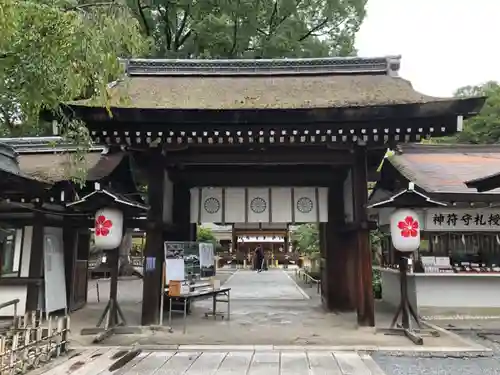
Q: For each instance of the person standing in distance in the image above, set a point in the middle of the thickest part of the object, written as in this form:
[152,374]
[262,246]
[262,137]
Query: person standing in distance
[259,258]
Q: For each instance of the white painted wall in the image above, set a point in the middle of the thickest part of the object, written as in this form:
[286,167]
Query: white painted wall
[443,290]
[23,252]
[465,291]
[391,290]
[259,205]
[53,297]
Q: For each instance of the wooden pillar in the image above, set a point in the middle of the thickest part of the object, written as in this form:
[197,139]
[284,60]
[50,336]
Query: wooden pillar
[153,251]
[184,230]
[80,281]
[70,236]
[234,240]
[364,289]
[36,262]
[338,259]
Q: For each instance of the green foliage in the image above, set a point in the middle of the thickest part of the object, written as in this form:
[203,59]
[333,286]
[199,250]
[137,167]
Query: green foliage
[250,28]
[306,236]
[485,127]
[205,235]
[55,51]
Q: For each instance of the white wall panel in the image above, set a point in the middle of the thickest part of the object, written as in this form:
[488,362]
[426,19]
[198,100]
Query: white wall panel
[278,205]
[211,205]
[258,205]
[305,205]
[281,198]
[235,205]
[323,204]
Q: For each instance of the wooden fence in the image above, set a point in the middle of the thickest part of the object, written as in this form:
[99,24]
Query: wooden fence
[29,341]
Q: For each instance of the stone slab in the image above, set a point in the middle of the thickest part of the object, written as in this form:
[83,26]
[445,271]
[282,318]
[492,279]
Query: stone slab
[244,362]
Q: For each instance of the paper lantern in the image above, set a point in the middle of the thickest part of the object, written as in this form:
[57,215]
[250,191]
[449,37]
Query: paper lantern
[108,228]
[405,230]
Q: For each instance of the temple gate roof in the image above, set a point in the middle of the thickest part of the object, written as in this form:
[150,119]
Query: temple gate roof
[263,84]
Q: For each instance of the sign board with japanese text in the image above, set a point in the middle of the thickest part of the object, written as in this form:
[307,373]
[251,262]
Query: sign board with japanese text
[463,220]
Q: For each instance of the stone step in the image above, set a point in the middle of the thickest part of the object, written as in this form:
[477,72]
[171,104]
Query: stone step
[231,363]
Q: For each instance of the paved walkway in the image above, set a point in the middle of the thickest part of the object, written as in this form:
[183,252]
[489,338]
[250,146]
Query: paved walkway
[98,362]
[267,285]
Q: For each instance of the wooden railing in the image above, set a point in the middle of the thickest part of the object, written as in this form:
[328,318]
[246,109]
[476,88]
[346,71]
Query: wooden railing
[30,342]
[303,274]
[14,303]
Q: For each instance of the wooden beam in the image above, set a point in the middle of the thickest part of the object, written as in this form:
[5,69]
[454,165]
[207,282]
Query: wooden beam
[184,230]
[364,288]
[36,262]
[258,156]
[338,272]
[153,252]
[240,177]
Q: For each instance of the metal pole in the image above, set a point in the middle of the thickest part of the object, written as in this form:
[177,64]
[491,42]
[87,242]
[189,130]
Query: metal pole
[162,297]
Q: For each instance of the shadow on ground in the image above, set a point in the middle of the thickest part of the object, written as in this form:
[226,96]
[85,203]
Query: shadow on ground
[266,309]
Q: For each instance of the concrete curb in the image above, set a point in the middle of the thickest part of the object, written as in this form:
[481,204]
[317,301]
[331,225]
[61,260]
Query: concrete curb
[443,351]
[299,288]
[457,337]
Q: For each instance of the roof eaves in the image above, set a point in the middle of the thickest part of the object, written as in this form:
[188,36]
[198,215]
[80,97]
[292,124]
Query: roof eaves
[388,65]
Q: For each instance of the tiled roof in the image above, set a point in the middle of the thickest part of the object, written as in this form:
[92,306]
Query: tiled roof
[445,168]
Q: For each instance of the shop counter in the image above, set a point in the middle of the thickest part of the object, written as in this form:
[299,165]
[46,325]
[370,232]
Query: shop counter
[443,290]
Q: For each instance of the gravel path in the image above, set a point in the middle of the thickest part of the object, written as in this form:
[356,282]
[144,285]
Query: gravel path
[445,365]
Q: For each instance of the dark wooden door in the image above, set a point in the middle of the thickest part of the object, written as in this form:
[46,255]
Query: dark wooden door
[79,292]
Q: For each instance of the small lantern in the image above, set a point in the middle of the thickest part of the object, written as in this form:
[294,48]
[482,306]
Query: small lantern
[108,228]
[405,230]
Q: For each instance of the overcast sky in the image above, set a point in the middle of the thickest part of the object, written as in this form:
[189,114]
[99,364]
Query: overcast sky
[445,44]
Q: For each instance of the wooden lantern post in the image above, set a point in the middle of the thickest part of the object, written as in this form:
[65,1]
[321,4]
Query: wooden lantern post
[405,234]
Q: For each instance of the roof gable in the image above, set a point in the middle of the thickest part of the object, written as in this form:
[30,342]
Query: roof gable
[445,168]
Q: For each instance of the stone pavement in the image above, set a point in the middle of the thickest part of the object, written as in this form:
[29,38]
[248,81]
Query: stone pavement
[98,362]
[267,308]
[274,284]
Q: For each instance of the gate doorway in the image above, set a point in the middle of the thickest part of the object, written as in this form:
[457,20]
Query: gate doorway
[268,123]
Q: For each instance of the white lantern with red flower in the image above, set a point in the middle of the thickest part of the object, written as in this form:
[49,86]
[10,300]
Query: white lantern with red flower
[108,228]
[405,230]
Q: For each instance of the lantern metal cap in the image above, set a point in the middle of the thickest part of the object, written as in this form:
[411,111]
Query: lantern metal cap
[408,198]
[99,196]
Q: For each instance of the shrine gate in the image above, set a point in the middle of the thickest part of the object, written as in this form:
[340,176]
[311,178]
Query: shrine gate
[288,141]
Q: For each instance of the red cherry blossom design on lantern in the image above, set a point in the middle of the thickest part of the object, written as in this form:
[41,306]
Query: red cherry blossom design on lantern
[102,226]
[409,227]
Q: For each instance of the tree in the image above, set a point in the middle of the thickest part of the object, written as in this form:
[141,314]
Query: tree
[485,127]
[53,51]
[250,28]
[205,235]
[307,238]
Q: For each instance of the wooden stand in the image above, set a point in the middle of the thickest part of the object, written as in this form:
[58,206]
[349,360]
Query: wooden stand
[112,316]
[406,310]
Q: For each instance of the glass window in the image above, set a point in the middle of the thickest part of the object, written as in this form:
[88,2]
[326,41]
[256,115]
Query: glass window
[8,260]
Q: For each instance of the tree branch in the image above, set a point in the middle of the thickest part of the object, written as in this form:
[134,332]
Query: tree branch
[273,16]
[314,29]
[91,5]
[6,118]
[235,31]
[167,30]
[143,18]
[180,29]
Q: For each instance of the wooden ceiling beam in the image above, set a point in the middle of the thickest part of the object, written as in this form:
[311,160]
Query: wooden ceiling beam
[260,157]
[254,177]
